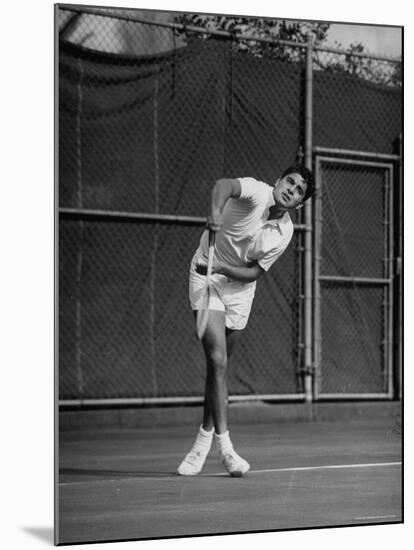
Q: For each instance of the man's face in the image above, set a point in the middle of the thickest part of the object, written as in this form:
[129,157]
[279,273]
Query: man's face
[289,191]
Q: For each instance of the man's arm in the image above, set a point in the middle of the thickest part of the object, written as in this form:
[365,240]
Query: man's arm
[246,274]
[223,190]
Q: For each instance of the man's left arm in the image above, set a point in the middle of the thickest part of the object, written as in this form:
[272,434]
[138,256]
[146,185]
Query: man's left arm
[245,274]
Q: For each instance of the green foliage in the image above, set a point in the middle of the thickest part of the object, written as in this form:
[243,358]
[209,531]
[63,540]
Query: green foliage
[264,28]
[367,68]
[244,29]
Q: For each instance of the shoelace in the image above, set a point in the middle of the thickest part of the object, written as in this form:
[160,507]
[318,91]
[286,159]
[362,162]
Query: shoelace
[193,456]
[234,458]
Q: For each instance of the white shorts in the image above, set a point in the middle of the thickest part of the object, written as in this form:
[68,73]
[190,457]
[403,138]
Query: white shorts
[229,295]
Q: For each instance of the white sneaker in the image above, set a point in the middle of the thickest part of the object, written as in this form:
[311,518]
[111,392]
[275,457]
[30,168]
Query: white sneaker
[192,464]
[235,464]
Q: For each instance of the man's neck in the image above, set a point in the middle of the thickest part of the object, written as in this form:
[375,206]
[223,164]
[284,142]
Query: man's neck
[275,212]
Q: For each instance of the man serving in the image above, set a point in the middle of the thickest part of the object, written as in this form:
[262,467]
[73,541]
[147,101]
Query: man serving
[253,228]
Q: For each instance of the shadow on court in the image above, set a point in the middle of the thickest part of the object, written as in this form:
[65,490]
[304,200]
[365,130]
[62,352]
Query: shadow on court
[121,483]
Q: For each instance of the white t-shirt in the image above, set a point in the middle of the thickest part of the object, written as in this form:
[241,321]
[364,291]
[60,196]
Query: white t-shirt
[247,234]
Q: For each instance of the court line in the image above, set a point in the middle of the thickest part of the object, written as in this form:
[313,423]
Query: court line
[305,468]
[329,467]
[271,470]
[377,517]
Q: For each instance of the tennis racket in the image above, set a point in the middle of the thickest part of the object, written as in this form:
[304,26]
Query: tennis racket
[202,314]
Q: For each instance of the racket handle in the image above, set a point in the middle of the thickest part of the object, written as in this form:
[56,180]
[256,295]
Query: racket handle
[210,259]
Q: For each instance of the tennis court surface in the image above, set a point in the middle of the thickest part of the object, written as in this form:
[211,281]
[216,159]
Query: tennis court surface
[117,484]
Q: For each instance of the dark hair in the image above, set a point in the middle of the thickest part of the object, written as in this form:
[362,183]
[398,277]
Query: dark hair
[307,177]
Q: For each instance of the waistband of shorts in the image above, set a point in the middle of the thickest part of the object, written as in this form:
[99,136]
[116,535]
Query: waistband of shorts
[223,278]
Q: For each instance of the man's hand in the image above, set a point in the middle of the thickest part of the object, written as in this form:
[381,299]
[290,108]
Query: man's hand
[215,221]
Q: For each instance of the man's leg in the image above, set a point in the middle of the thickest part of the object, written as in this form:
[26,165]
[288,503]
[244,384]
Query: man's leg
[231,338]
[215,350]
[218,345]
[215,408]
[217,340]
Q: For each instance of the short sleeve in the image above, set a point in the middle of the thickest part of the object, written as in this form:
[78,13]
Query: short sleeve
[269,258]
[253,190]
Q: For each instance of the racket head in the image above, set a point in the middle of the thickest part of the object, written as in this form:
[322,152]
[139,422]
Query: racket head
[202,314]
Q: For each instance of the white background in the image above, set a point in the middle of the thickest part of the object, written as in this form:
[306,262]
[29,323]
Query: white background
[27,272]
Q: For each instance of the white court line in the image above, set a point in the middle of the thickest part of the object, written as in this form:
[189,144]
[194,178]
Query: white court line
[305,468]
[299,469]
[328,467]
[376,517]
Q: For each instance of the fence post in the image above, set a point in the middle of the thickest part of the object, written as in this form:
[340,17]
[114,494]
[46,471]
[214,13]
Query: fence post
[308,223]
[400,252]
[153,257]
[79,259]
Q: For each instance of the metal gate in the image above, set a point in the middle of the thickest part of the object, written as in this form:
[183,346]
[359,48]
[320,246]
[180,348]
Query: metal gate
[353,276]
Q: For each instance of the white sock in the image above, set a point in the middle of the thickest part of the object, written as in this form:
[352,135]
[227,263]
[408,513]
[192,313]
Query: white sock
[203,440]
[224,444]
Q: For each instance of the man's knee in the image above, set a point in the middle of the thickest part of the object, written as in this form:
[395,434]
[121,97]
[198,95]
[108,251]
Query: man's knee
[217,361]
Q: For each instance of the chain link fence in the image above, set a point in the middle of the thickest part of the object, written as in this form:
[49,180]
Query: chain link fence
[151,113]
[354,274]
[363,98]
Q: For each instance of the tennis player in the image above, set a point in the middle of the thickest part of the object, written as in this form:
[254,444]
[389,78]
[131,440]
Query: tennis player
[253,228]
